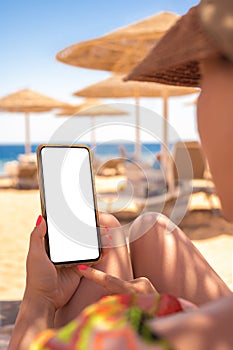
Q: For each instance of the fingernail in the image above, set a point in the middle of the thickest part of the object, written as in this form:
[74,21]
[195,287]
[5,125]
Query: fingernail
[110,236]
[106,228]
[38,221]
[82,267]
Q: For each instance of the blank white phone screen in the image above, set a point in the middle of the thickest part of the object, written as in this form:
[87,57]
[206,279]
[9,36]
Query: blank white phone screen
[69,201]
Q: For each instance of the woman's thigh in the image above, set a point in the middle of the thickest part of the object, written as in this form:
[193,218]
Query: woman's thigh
[161,252]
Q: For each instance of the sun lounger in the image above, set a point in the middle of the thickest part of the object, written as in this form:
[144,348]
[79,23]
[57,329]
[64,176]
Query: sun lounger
[27,176]
[23,173]
[110,184]
[193,172]
[125,209]
[112,167]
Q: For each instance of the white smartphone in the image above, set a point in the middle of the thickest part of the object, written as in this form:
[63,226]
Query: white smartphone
[68,204]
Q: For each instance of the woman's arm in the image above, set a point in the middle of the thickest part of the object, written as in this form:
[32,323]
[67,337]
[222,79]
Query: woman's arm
[35,315]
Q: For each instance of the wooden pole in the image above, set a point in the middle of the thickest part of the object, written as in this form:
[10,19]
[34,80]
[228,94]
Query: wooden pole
[93,137]
[166,161]
[27,134]
[137,129]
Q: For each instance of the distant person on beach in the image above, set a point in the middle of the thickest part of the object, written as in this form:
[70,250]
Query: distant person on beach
[197,51]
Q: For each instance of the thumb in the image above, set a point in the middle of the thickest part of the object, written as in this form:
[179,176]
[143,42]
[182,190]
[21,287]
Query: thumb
[40,227]
[36,246]
[39,232]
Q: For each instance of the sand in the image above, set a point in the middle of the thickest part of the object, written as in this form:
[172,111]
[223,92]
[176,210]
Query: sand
[19,210]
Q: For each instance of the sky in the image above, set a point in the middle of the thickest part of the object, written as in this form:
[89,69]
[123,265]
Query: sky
[33,32]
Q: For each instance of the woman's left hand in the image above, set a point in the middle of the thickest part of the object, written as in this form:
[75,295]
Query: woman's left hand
[44,280]
[115,285]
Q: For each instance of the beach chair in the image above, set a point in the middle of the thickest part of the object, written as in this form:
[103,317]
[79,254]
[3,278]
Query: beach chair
[27,172]
[27,176]
[110,184]
[181,168]
[112,167]
[193,171]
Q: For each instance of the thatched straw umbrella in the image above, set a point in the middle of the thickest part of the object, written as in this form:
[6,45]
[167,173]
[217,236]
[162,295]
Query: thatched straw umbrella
[120,50]
[28,101]
[115,87]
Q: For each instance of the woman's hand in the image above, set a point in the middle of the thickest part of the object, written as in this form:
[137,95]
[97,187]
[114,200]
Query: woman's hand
[115,285]
[44,280]
[47,289]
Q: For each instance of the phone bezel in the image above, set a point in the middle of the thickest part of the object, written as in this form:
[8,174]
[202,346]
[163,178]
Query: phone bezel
[43,202]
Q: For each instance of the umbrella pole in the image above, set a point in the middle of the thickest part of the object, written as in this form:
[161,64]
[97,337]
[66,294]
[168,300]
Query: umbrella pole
[165,126]
[93,138]
[166,161]
[27,134]
[137,129]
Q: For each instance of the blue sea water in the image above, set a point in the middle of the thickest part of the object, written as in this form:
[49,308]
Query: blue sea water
[105,150]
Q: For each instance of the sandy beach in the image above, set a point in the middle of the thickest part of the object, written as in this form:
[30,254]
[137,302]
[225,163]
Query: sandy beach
[20,208]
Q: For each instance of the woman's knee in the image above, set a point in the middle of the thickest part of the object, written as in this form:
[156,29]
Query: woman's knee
[112,233]
[150,223]
[108,220]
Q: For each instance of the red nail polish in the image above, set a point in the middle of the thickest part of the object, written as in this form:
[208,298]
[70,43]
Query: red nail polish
[82,267]
[110,236]
[106,228]
[38,221]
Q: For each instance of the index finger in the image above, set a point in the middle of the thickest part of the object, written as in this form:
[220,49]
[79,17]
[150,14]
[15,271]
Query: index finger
[113,284]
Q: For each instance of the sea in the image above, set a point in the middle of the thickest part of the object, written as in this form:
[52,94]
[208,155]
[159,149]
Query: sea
[10,152]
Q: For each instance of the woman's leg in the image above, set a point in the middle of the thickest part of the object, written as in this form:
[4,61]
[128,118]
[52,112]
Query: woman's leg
[115,261]
[161,252]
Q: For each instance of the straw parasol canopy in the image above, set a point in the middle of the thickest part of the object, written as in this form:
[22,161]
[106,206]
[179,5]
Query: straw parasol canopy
[120,50]
[28,101]
[91,107]
[115,87]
